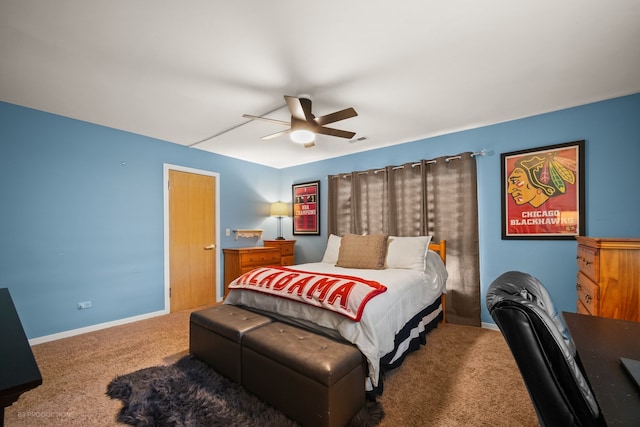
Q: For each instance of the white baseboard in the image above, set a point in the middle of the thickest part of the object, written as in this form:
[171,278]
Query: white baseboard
[79,331]
[493,326]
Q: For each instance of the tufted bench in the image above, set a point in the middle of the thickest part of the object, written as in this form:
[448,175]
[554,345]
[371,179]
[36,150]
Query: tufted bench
[313,379]
[215,336]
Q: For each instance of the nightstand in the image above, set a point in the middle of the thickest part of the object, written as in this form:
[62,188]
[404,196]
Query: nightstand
[287,250]
[238,261]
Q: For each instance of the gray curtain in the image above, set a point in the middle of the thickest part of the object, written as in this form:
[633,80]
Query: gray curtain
[435,197]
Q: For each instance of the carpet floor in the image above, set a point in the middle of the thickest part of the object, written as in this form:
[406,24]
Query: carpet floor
[464,376]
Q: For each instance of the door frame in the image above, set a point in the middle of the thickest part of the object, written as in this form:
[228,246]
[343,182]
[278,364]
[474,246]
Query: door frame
[165,190]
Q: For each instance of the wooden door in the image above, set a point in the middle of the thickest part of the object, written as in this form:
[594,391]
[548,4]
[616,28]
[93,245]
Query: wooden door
[192,237]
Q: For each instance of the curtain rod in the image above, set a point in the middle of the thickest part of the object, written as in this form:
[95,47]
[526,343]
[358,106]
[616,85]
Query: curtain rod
[482,152]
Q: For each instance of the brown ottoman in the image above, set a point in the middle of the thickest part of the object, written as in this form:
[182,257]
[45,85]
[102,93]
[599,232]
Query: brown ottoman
[215,336]
[313,379]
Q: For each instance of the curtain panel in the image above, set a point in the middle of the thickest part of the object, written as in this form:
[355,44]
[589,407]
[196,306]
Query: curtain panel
[435,197]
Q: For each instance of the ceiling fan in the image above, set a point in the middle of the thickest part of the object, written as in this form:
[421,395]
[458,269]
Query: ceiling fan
[304,125]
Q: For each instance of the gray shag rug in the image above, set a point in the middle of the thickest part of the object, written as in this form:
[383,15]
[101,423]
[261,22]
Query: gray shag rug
[189,393]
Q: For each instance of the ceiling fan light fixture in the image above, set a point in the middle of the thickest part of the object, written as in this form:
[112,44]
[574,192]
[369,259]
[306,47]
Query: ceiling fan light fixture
[304,125]
[302,136]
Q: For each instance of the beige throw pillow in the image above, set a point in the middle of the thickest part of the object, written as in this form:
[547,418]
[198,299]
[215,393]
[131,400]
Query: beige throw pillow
[363,251]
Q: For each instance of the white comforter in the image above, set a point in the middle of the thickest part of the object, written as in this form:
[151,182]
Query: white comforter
[408,292]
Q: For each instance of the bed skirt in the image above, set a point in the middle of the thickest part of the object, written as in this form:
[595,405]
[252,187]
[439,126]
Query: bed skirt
[409,339]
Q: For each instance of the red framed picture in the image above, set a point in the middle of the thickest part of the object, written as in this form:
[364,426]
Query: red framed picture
[543,192]
[306,208]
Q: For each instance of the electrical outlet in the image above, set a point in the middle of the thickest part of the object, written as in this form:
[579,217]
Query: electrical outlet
[227,232]
[84,304]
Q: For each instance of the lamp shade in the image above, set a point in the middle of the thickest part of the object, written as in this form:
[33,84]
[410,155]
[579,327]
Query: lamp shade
[279,209]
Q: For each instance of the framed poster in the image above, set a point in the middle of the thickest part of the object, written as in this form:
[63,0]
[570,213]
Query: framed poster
[306,208]
[543,192]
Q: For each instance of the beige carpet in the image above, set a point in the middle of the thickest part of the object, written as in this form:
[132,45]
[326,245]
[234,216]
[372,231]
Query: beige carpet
[465,376]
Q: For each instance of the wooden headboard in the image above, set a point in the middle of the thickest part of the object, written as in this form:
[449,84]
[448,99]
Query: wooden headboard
[440,248]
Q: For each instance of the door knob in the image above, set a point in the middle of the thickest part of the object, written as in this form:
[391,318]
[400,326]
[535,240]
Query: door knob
[211,246]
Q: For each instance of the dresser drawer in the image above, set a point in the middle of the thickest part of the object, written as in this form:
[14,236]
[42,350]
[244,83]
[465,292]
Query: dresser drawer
[581,309]
[287,250]
[287,260]
[260,258]
[244,270]
[588,262]
[588,294]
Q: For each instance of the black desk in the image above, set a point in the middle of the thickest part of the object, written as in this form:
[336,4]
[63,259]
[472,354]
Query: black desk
[600,343]
[18,369]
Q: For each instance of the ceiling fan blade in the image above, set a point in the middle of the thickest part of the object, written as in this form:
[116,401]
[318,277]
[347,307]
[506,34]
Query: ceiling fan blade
[347,113]
[335,132]
[300,107]
[265,119]
[277,134]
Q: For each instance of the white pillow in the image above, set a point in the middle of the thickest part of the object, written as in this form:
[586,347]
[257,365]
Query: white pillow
[408,252]
[333,249]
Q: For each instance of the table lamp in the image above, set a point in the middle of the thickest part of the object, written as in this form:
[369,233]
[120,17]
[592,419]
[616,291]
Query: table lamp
[279,210]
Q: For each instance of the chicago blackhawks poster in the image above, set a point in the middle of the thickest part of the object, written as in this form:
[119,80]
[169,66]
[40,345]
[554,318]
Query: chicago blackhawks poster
[543,192]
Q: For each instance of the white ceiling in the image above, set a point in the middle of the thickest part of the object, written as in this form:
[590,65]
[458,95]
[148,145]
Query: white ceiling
[184,71]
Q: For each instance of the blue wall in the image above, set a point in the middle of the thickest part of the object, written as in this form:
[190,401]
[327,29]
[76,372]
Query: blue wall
[82,209]
[611,130]
[82,217]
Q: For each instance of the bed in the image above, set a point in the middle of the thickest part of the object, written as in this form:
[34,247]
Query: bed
[391,323]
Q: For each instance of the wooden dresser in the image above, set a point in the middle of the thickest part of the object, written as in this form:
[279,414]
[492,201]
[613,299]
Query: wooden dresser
[287,250]
[609,277]
[238,261]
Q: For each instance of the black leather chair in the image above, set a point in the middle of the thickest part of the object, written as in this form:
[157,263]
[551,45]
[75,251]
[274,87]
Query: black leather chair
[543,350]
